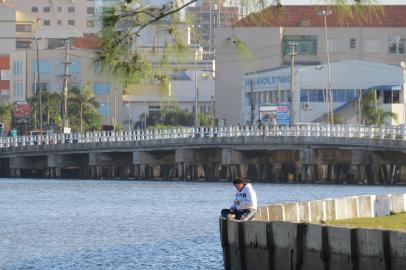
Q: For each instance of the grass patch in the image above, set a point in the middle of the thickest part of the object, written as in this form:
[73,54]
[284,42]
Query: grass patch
[396,221]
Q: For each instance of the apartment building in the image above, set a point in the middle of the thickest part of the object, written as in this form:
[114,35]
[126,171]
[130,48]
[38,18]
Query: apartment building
[207,16]
[82,72]
[381,40]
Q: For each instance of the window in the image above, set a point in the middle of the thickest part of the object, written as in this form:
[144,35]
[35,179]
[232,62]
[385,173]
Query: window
[332,45]
[305,45]
[372,45]
[90,10]
[59,22]
[43,67]
[104,109]
[47,22]
[74,67]
[47,9]
[101,89]
[353,43]
[23,28]
[34,9]
[59,9]
[71,9]
[71,22]
[155,112]
[91,23]
[17,88]
[22,44]
[397,45]
[17,67]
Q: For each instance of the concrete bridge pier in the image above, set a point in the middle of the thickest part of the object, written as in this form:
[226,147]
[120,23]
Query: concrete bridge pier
[152,164]
[197,163]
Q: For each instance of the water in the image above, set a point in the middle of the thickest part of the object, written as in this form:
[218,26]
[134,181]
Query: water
[72,224]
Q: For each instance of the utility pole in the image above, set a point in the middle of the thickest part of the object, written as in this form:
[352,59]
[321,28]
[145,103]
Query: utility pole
[38,88]
[196,87]
[115,107]
[292,80]
[326,13]
[65,88]
[212,111]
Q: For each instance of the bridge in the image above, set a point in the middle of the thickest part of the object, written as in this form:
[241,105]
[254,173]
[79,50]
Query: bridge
[315,153]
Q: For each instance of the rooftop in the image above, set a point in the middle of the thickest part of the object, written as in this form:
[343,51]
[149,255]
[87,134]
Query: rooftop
[307,16]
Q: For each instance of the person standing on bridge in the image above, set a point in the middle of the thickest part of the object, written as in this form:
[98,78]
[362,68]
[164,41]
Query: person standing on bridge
[245,203]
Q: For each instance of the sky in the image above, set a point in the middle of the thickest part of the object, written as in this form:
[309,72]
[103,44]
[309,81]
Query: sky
[300,2]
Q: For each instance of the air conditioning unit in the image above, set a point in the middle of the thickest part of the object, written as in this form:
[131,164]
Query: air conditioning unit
[306,106]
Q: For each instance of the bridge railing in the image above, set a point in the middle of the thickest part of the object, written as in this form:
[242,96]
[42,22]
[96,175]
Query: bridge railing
[313,130]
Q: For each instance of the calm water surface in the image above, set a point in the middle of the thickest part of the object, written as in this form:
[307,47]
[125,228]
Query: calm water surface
[72,224]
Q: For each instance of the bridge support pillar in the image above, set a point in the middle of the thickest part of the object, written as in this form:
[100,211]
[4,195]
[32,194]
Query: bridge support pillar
[142,172]
[200,171]
[136,174]
[181,174]
[99,172]
[276,172]
[402,174]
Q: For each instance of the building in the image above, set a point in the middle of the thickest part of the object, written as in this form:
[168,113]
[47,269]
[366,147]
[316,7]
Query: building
[4,78]
[149,99]
[351,81]
[380,40]
[82,72]
[208,16]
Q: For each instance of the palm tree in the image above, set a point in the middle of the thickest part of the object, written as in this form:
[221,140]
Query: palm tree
[85,100]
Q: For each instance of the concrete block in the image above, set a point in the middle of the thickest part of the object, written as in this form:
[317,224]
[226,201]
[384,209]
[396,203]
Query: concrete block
[313,240]
[275,212]
[382,206]
[340,208]
[370,243]
[366,206]
[304,212]
[263,214]
[317,211]
[255,234]
[232,230]
[312,248]
[330,206]
[291,211]
[284,238]
[351,207]
[284,234]
[339,240]
[398,202]
[397,240]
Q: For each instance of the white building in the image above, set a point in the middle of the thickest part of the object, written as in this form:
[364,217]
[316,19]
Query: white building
[149,99]
[349,77]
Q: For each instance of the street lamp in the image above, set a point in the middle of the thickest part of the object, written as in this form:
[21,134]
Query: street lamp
[196,87]
[38,87]
[403,66]
[326,13]
[128,105]
[320,68]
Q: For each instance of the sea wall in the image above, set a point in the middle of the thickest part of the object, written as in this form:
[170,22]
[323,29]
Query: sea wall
[283,237]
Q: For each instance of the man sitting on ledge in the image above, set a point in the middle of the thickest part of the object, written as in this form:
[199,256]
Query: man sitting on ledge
[245,203]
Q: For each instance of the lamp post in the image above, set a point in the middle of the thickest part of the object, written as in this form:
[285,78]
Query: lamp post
[403,66]
[38,87]
[326,13]
[196,87]
[129,116]
[320,68]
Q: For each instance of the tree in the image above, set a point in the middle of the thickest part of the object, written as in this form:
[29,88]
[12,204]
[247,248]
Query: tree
[6,112]
[371,114]
[51,110]
[123,24]
[84,102]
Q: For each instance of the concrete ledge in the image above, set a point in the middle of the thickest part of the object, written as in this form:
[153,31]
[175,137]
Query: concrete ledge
[382,206]
[398,203]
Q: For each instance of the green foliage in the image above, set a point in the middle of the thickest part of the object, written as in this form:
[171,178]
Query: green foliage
[83,102]
[6,112]
[371,114]
[173,117]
